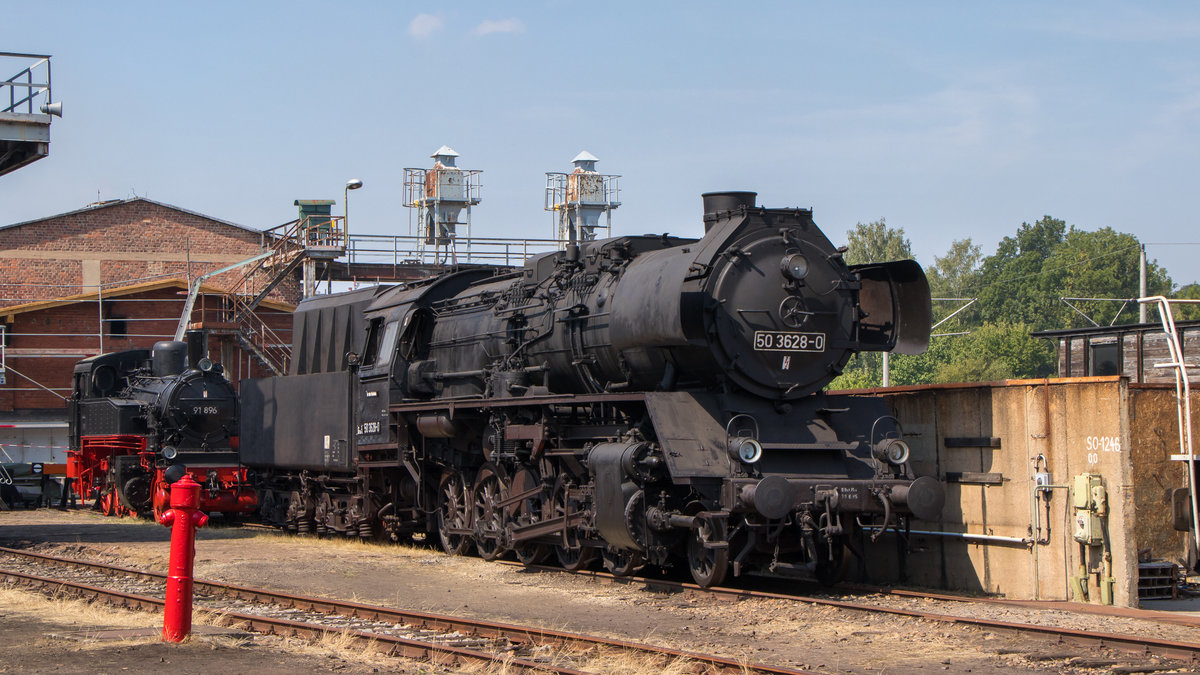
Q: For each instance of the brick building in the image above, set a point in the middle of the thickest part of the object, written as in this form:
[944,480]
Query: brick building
[115,276]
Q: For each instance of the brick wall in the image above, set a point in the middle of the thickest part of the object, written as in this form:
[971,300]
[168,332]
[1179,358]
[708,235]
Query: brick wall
[128,243]
[41,260]
[63,335]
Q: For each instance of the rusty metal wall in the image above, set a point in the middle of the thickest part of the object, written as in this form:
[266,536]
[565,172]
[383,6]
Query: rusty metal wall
[1155,437]
[1095,425]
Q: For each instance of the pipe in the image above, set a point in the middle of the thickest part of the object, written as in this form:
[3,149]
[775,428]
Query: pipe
[1183,400]
[1079,583]
[887,515]
[1026,541]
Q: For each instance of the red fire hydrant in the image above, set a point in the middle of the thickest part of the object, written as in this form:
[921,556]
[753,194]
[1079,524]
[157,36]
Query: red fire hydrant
[183,518]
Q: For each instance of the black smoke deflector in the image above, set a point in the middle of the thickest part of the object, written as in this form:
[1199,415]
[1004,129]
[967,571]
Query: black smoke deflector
[895,299]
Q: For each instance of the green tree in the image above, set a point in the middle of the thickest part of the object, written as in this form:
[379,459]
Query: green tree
[1184,312]
[1102,264]
[876,242]
[1012,286]
[1027,277]
[862,372]
[995,352]
[952,275]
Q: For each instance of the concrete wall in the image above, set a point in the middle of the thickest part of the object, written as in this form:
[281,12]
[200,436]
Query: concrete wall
[1064,426]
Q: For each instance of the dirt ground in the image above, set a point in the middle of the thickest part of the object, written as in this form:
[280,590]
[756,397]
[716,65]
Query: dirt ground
[776,632]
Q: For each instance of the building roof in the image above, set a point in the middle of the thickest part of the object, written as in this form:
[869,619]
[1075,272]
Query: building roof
[1109,330]
[8,313]
[118,202]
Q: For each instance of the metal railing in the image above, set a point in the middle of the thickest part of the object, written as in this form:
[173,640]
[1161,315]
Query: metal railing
[314,231]
[378,249]
[27,85]
[288,244]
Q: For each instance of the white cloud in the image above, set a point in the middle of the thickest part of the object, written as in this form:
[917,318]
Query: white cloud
[501,26]
[424,25]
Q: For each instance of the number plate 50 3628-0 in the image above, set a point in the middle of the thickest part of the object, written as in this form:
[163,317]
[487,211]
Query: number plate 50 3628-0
[784,341]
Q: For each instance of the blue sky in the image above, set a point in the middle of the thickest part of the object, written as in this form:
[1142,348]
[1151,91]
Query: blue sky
[950,120]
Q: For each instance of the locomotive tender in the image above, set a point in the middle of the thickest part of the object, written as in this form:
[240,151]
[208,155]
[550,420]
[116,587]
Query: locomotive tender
[140,419]
[644,399]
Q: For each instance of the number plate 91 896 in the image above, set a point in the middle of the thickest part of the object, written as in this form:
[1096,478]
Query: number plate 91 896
[783,341]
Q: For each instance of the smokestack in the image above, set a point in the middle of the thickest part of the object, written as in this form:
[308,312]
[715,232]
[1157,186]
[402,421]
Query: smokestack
[716,203]
[197,347]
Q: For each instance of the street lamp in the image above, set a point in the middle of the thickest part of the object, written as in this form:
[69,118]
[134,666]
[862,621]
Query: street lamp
[352,184]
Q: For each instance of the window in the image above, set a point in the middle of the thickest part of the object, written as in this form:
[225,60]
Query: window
[388,344]
[381,339]
[1104,357]
[371,349]
[117,326]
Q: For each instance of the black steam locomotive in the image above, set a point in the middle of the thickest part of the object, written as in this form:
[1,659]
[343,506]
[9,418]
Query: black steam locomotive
[646,400]
[140,419]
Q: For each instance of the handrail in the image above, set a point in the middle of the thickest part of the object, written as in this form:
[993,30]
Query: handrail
[364,249]
[1183,396]
[32,89]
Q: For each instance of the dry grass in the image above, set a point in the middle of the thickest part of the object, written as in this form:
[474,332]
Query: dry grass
[15,604]
[18,605]
[69,610]
[353,544]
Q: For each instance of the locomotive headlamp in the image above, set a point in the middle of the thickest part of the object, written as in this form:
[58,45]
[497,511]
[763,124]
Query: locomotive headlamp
[747,450]
[205,364]
[170,452]
[892,450]
[794,266]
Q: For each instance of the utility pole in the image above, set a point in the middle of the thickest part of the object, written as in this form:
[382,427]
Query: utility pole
[1143,285]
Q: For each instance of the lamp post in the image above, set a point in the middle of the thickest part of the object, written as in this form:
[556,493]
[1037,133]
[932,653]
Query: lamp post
[352,184]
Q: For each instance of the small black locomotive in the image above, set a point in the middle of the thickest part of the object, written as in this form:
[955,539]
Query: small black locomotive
[642,399]
[141,419]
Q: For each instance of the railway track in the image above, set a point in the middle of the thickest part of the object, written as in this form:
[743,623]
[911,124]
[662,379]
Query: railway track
[1055,635]
[438,639]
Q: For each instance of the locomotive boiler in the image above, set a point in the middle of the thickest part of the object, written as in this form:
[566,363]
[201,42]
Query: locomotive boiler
[141,419]
[646,400]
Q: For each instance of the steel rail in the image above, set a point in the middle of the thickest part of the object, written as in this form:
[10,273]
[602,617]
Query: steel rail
[521,635]
[1130,644]
[443,655]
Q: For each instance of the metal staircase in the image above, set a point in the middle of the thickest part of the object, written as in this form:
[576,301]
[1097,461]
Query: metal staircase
[292,244]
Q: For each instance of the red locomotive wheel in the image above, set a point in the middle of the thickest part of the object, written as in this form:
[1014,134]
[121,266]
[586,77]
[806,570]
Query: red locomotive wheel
[108,503]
